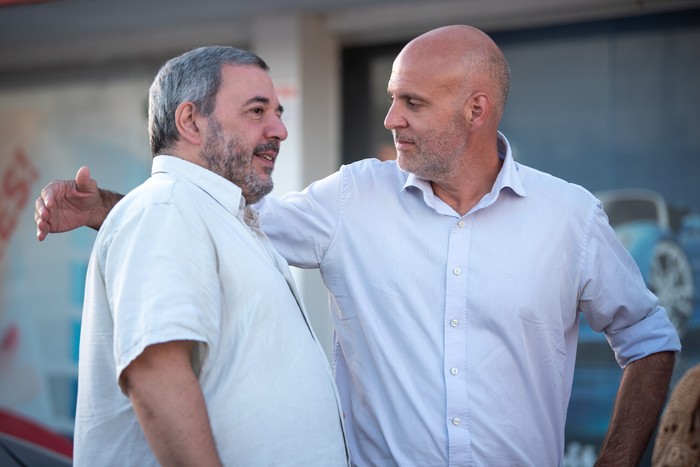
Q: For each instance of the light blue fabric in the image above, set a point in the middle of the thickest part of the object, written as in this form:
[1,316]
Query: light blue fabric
[456,336]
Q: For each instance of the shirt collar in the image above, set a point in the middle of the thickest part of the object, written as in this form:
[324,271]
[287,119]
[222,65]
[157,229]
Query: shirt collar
[507,177]
[226,193]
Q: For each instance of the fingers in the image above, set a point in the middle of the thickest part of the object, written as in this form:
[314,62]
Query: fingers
[42,210]
[41,217]
[83,182]
[62,202]
[41,232]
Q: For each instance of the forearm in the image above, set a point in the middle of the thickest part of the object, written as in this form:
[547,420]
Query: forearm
[170,407]
[176,424]
[639,402]
[107,201]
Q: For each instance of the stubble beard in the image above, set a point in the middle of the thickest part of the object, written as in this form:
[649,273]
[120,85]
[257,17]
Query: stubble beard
[434,158]
[434,165]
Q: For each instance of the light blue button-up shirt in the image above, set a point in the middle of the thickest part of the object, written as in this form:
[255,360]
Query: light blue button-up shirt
[455,336]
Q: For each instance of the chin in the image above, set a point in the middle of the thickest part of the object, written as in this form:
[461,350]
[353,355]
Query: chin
[405,164]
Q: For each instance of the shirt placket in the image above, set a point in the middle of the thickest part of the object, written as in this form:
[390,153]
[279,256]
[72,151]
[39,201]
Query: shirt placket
[456,342]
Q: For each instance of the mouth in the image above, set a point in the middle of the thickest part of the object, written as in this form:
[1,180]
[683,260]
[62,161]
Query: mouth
[402,144]
[401,141]
[267,153]
[266,160]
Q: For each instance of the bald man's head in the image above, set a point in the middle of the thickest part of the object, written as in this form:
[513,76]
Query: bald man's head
[466,53]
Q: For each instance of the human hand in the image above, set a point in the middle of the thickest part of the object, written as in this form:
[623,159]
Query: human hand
[66,204]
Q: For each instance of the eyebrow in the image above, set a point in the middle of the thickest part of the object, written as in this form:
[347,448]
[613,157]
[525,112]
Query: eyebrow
[262,100]
[404,95]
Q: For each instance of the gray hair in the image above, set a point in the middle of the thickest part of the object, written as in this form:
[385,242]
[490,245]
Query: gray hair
[491,62]
[194,76]
[500,71]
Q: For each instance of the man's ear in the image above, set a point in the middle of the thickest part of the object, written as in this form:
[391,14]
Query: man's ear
[189,123]
[477,109]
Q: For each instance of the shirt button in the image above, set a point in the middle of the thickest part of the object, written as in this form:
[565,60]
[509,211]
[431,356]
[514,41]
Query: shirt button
[460,224]
[457,271]
[454,371]
[456,421]
[454,323]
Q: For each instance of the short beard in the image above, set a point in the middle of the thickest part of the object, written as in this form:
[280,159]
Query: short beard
[254,187]
[227,159]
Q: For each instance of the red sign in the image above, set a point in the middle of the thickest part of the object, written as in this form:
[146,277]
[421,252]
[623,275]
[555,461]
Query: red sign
[15,190]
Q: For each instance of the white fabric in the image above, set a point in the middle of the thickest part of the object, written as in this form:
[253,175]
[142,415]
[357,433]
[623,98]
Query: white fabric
[456,335]
[176,261]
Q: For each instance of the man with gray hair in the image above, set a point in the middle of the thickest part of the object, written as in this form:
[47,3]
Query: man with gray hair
[458,278]
[195,349]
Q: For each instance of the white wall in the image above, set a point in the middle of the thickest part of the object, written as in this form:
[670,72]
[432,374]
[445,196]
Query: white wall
[303,58]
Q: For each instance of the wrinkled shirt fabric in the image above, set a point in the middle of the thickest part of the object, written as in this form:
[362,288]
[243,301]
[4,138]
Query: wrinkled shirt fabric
[455,336]
[182,258]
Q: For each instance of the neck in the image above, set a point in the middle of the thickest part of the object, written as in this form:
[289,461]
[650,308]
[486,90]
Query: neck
[471,182]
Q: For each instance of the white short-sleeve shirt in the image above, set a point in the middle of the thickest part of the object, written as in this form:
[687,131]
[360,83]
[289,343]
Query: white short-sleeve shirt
[180,258]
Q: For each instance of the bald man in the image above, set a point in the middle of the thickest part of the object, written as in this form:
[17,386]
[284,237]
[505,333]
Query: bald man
[457,278]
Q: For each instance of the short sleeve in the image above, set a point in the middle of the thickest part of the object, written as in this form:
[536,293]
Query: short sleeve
[159,267]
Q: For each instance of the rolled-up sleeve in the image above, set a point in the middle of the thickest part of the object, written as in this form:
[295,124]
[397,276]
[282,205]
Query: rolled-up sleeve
[615,299]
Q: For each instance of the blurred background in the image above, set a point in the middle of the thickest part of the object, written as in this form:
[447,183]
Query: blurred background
[605,93]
